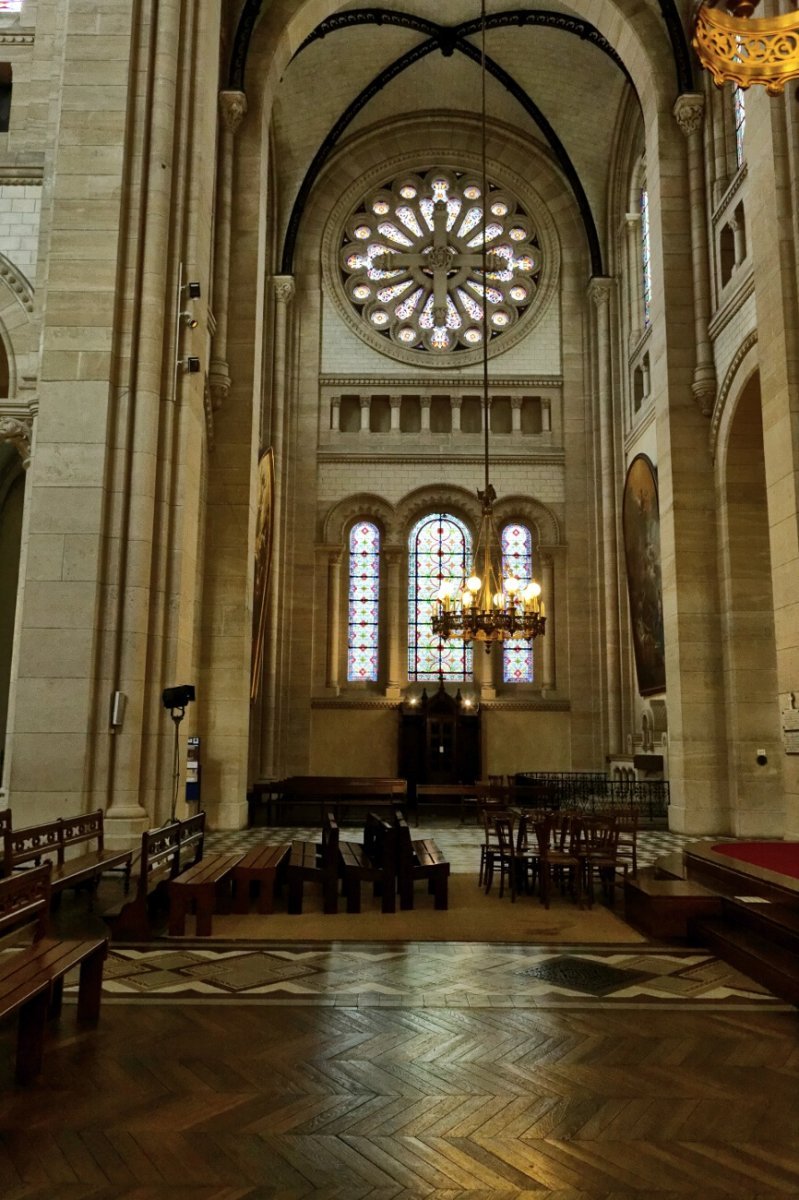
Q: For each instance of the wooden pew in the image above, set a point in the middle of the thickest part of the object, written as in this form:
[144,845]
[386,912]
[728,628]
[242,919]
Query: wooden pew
[31,979]
[420,859]
[315,862]
[201,885]
[165,852]
[265,866]
[55,841]
[371,861]
[337,794]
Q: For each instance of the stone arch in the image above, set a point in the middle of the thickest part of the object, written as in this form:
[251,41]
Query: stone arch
[352,508]
[742,367]
[16,324]
[543,523]
[437,497]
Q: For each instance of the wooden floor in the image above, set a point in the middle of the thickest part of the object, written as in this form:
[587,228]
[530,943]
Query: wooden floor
[225,1100]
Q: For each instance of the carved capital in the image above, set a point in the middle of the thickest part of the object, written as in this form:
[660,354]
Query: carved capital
[233,108]
[704,389]
[334,556]
[18,431]
[219,383]
[284,288]
[689,111]
[516,401]
[599,289]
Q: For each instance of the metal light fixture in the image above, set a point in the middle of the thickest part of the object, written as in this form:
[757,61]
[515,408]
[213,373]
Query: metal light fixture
[734,46]
[491,608]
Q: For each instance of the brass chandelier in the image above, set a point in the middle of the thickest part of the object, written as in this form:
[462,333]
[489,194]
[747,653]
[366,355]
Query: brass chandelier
[733,46]
[491,607]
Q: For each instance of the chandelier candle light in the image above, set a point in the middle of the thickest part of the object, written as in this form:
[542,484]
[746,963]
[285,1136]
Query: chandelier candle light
[733,46]
[490,608]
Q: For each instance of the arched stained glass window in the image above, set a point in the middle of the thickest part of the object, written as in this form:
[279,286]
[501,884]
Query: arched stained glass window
[363,607]
[517,560]
[439,548]
[646,261]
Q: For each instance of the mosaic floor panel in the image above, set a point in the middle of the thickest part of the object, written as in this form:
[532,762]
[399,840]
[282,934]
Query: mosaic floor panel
[428,975]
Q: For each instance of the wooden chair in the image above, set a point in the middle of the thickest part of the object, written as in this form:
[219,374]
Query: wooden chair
[627,825]
[489,811]
[556,863]
[599,855]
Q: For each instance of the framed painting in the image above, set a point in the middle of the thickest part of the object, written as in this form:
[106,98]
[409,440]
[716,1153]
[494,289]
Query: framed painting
[641,526]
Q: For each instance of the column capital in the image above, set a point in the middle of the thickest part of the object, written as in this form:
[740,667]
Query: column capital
[393,555]
[233,109]
[599,290]
[18,431]
[689,112]
[425,401]
[516,401]
[284,288]
[395,401]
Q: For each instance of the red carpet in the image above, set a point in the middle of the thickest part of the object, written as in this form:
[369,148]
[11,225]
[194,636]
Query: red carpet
[782,857]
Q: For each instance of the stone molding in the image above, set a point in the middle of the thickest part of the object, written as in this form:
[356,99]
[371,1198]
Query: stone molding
[208,410]
[284,288]
[463,383]
[731,191]
[17,37]
[17,282]
[732,305]
[544,459]
[689,112]
[726,387]
[534,704]
[21,176]
[600,289]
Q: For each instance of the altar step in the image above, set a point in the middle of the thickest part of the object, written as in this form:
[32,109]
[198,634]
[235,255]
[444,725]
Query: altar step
[761,939]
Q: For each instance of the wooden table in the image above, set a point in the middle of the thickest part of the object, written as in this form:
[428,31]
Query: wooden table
[261,865]
[199,885]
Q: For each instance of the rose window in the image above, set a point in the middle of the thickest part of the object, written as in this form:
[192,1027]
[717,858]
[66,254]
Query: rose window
[412,261]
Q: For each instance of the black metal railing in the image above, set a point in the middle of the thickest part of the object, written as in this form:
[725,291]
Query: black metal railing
[592,792]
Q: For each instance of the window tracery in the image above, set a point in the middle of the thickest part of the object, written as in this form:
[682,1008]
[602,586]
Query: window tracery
[411,261]
[439,548]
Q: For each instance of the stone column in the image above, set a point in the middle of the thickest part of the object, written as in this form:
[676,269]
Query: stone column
[600,290]
[546,414]
[333,618]
[738,240]
[424,405]
[487,669]
[455,403]
[335,414]
[632,222]
[548,647]
[366,407]
[232,108]
[516,414]
[392,557]
[689,111]
[284,293]
[396,407]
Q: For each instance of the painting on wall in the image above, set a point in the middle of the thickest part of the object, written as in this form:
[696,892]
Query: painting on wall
[263,555]
[641,524]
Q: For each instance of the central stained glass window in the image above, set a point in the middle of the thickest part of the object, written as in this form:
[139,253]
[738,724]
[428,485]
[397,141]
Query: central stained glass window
[439,548]
[412,261]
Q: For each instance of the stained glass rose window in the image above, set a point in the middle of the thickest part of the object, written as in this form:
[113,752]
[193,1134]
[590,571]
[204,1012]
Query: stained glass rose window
[411,260]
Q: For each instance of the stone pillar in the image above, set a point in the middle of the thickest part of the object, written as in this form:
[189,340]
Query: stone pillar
[548,647]
[487,669]
[232,108]
[738,240]
[335,414]
[392,557]
[516,414]
[424,405]
[645,375]
[284,294]
[689,111]
[546,414]
[632,222]
[333,618]
[455,403]
[396,407]
[366,407]
[600,290]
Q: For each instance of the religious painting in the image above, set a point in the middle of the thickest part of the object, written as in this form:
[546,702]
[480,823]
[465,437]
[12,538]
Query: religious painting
[263,555]
[641,523]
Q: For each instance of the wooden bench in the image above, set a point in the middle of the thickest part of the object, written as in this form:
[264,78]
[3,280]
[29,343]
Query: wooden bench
[32,978]
[337,794]
[201,886]
[55,842]
[165,852]
[371,861]
[265,866]
[316,862]
[464,795]
[420,859]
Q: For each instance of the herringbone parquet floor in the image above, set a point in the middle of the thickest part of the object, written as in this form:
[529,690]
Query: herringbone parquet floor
[221,1102]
